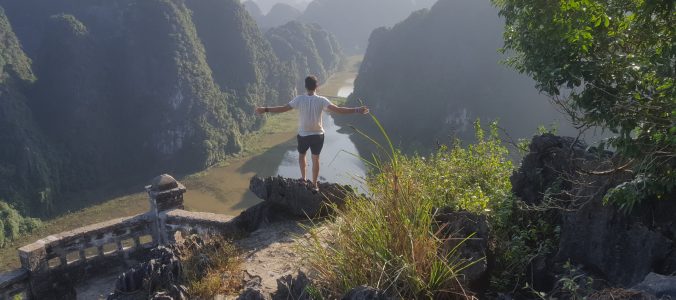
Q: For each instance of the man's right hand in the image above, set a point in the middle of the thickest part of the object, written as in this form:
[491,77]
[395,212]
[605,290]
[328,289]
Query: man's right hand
[364,110]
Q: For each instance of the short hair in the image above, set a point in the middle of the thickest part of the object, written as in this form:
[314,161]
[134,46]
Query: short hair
[311,82]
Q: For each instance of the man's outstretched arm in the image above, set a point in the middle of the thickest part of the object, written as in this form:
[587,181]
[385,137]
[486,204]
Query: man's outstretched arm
[348,110]
[274,109]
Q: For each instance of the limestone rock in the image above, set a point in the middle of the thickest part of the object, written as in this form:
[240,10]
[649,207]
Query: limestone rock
[618,247]
[252,294]
[601,238]
[252,289]
[458,225]
[621,294]
[292,287]
[297,197]
[365,293]
[663,287]
[549,157]
[160,275]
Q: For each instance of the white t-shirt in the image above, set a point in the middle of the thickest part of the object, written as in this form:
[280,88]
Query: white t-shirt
[310,109]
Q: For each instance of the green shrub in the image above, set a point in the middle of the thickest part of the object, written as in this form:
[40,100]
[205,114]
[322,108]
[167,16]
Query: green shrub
[389,241]
[13,225]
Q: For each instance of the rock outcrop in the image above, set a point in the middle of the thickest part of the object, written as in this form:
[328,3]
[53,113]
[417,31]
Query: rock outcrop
[365,293]
[620,248]
[297,197]
[292,287]
[663,287]
[459,225]
[160,275]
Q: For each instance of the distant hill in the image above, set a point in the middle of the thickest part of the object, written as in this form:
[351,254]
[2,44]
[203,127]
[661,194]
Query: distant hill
[253,9]
[126,88]
[439,70]
[353,20]
[280,14]
[266,5]
[307,49]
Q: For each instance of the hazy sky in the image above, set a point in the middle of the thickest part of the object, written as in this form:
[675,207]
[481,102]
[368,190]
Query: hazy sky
[265,5]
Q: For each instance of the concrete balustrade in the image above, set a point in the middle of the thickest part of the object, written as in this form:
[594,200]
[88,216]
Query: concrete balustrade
[51,266]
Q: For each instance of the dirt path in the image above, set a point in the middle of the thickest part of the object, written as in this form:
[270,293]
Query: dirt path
[272,252]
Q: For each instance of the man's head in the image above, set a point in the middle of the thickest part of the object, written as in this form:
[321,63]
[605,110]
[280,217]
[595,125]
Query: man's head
[311,83]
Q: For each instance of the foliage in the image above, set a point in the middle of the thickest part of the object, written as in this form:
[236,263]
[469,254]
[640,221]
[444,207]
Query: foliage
[463,178]
[573,284]
[524,235]
[13,225]
[608,63]
[390,239]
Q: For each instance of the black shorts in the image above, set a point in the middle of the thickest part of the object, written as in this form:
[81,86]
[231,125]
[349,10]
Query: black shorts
[315,142]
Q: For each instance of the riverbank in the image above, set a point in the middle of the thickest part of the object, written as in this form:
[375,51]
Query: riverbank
[220,189]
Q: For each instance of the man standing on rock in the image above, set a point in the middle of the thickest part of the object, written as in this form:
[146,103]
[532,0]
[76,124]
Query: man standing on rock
[310,130]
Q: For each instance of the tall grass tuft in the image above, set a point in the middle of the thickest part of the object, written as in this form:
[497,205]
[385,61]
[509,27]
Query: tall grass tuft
[390,240]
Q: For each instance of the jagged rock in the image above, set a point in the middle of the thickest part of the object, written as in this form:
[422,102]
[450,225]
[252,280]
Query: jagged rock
[620,248]
[292,287]
[365,293]
[252,288]
[456,226]
[262,214]
[160,275]
[549,158]
[252,294]
[620,294]
[297,197]
[175,292]
[660,285]
[617,247]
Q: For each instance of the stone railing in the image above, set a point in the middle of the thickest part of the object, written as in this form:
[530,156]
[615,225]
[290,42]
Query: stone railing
[200,223]
[53,265]
[14,284]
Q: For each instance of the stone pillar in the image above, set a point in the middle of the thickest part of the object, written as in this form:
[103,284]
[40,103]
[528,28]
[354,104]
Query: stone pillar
[165,193]
[34,260]
[34,257]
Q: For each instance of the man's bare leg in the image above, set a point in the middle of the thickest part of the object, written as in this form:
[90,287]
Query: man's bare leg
[302,164]
[315,169]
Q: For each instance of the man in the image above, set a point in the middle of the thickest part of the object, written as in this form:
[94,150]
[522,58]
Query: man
[310,131]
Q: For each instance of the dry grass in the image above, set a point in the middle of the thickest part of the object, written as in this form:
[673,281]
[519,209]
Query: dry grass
[213,269]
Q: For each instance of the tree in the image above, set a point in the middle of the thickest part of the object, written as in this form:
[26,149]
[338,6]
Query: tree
[608,63]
